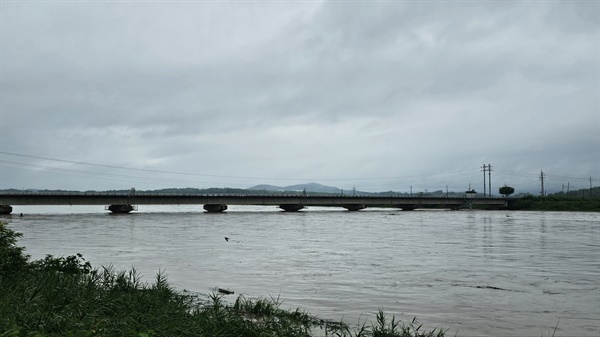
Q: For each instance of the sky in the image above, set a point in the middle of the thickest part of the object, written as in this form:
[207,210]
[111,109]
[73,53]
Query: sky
[372,95]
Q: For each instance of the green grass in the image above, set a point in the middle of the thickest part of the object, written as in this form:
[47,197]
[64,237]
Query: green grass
[65,296]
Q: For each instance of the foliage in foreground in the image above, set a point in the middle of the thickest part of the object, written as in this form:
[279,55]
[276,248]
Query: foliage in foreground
[65,296]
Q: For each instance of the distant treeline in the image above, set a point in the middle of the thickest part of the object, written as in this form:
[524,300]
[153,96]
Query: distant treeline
[575,194]
[581,193]
[241,191]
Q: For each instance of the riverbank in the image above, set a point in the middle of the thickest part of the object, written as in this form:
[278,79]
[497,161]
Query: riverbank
[66,296]
[556,203]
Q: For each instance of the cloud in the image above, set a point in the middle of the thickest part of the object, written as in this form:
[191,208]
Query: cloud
[321,91]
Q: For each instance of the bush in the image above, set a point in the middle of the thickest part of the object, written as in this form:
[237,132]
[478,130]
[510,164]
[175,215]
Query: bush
[12,257]
[74,264]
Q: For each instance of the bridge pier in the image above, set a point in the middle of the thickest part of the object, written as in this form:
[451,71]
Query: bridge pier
[5,209]
[121,209]
[407,207]
[291,207]
[215,208]
[355,207]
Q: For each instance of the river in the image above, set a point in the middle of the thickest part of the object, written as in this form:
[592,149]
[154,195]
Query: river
[471,272]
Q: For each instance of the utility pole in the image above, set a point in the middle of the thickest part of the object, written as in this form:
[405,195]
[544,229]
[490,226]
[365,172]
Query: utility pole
[591,193]
[487,168]
[411,191]
[542,179]
[484,169]
[568,187]
[446,191]
[490,180]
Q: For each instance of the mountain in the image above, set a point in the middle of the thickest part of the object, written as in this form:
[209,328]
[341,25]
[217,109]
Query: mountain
[266,188]
[310,187]
[313,187]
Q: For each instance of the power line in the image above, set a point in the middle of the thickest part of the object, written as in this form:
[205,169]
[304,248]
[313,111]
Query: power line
[549,176]
[556,177]
[122,167]
[516,174]
[224,176]
[433,179]
[93,174]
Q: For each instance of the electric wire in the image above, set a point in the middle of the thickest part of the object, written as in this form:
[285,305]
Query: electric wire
[435,181]
[96,175]
[227,176]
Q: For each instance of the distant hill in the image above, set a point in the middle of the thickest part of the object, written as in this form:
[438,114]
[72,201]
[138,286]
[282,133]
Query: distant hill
[265,187]
[580,193]
[310,187]
[313,187]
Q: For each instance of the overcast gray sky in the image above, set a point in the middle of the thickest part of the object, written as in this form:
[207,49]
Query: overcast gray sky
[381,95]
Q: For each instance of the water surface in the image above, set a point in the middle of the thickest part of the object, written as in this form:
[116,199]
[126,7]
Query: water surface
[472,272]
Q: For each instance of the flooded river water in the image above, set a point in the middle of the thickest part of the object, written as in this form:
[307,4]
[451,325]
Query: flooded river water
[472,272]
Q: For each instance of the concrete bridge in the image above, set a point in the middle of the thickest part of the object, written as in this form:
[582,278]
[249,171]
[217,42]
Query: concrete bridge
[127,202]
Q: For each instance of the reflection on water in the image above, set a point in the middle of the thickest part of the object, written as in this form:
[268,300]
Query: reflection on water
[478,273]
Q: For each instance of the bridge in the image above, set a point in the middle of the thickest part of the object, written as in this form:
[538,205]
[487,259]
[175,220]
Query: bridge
[127,202]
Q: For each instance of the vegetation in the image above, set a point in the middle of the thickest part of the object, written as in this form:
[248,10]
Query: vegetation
[506,191]
[65,296]
[251,191]
[556,203]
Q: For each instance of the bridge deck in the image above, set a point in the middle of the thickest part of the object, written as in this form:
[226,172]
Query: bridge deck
[102,198]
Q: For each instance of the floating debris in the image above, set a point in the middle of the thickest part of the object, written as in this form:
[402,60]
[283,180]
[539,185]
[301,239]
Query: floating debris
[225,291]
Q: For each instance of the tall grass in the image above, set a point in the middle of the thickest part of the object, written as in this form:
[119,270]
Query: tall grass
[65,296]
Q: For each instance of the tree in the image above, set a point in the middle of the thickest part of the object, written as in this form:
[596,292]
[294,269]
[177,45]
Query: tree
[506,190]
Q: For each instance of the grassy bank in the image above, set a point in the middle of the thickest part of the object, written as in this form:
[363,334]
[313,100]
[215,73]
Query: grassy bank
[556,203]
[65,296]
